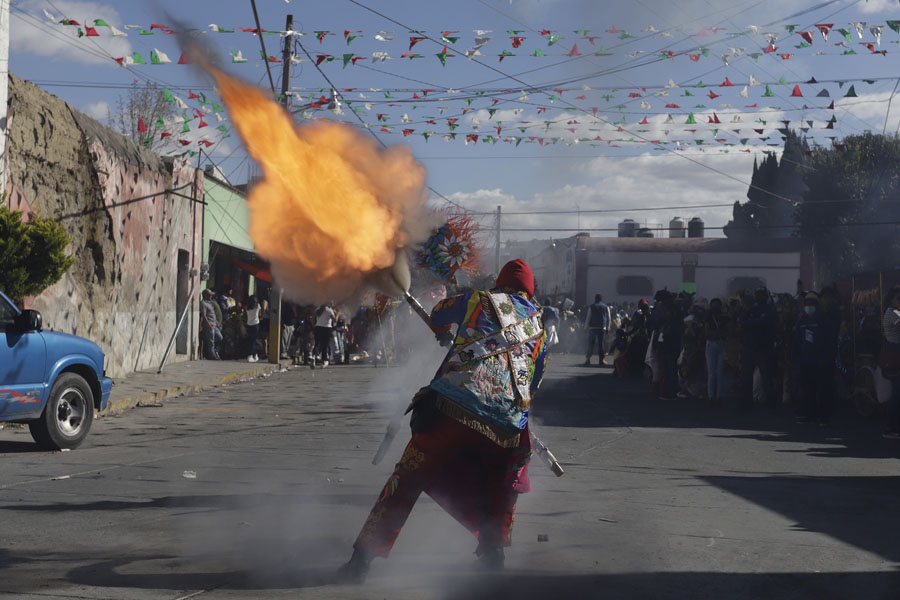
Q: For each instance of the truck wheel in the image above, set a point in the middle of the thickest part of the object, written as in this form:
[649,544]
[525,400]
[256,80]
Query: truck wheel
[68,415]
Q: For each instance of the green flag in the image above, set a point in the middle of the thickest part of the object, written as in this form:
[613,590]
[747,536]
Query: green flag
[768,93]
[851,93]
[167,95]
[100,23]
[159,123]
[138,59]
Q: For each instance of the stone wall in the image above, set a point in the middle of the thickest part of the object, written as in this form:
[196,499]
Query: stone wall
[128,212]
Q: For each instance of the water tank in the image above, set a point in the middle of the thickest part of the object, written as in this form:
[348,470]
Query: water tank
[628,228]
[695,228]
[644,232]
[677,227]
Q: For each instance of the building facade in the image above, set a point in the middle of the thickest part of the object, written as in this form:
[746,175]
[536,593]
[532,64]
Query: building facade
[628,269]
[135,221]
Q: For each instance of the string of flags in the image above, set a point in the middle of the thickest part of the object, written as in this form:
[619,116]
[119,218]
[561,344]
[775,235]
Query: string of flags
[751,41]
[744,114]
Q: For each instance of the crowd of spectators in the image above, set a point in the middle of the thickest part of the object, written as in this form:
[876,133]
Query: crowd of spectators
[753,349]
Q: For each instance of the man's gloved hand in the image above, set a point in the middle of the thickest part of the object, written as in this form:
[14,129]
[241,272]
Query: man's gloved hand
[445,339]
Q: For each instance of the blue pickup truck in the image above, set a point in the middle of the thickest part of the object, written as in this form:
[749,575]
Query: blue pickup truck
[52,381]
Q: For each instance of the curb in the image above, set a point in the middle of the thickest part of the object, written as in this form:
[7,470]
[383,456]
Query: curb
[117,405]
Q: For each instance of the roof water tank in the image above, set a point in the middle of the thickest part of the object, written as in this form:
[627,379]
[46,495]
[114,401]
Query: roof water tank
[628,228]
[695,228]
[677,227]
[644,232]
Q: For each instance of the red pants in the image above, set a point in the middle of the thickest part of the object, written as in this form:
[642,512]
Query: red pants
[468,475]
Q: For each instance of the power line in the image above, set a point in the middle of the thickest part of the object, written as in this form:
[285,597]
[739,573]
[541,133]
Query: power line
[732,227]
[505,75]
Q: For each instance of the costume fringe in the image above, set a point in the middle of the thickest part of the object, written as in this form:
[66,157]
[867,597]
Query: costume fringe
[458,413]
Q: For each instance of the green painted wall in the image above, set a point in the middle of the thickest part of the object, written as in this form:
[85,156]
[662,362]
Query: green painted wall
[226,217]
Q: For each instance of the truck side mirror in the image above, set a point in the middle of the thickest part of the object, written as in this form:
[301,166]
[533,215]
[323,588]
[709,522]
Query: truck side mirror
[29,320]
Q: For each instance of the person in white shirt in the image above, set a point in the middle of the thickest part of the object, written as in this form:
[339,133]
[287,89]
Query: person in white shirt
[325,317]
[890,350]
[252,328]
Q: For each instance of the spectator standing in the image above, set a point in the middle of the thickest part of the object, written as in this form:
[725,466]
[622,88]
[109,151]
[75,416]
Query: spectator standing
[208,325]
[252,312]
[550,318]
[668,347]
[758,348]
[889,360]
[596,322]
[324,324]
[812,351]
[716,336]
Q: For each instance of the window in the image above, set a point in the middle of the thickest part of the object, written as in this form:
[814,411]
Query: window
[736,285]
[634,285]
[8,314]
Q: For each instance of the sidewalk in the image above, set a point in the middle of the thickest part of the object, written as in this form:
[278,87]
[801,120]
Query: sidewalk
[148,387]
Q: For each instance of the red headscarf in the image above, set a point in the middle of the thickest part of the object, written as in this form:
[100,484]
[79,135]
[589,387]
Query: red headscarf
[516,275]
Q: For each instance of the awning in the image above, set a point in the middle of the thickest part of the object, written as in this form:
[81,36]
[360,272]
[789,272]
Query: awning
[258,271]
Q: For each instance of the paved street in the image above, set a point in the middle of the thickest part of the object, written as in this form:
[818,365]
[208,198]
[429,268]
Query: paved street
[257,490]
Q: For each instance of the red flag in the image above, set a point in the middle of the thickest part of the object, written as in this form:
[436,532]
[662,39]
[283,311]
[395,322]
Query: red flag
[198,112]
[184,142]
[90,32]
[806,35]
[644,122]
[831,106]
[321,57]
[712,95]
[574,51]
[202,123]
[206,143]
[797,93]
[142,127]
[406,132]
[184,59]
[770,48]
[413,40]
[517,40]
[694,57]
[726,83]
[785,56]
[672,106]
[158,26]
[164,135]
[824,28]
[472,137]
[192,95]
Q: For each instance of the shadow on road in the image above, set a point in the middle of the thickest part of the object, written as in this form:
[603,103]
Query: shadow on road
[210,501]
[8,447]
[592,397]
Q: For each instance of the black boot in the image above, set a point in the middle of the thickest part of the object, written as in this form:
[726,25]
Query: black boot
[491,559]
[355,569]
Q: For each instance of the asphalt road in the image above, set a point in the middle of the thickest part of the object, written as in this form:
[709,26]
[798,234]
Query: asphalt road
[257,490]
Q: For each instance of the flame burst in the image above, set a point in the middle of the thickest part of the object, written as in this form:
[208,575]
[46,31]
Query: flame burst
[333,209]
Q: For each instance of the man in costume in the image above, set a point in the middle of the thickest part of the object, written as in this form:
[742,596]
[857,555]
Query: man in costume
[470,445]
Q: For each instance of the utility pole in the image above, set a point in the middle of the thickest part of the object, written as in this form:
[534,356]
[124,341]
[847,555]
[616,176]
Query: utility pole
[499,210]
[4,86]
[275,296]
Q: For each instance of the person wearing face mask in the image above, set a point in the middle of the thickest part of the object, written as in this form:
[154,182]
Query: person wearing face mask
[812,351]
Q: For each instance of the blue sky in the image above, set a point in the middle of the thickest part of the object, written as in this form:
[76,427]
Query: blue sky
[568,175]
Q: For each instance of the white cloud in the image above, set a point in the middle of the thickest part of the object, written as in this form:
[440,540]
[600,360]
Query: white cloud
[875,6]
[607,183]
[35,34]
[97,110]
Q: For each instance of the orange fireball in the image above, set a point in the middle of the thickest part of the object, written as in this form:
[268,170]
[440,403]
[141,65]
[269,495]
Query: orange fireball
[333,209]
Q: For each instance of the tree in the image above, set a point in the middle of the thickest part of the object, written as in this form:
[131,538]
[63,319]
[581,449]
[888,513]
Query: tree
[775,188]
[142,103]
[32,254]
[853,199]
